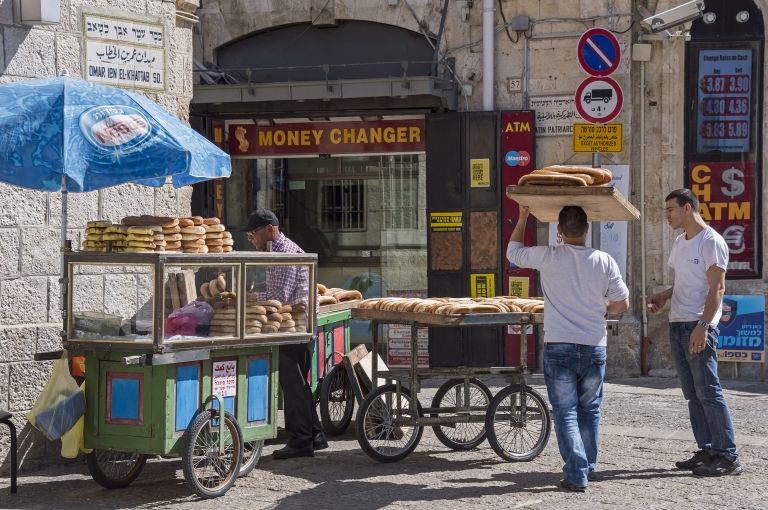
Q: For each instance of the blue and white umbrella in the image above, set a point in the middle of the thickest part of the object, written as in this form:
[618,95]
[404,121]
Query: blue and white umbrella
[68,134]
[65,134]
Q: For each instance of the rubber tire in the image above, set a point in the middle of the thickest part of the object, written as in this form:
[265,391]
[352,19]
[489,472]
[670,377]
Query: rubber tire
[246,466]
[438,429]
[187,454]
[490,430]
[360,425]
[331,383]
[104,479]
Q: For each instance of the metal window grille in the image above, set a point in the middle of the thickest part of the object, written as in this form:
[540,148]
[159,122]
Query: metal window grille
[400,191]
[342,204]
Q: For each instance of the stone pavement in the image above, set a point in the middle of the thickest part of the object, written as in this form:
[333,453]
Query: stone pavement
[645,429]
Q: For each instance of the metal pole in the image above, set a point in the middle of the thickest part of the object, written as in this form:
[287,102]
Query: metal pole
[64,248]
[488,49]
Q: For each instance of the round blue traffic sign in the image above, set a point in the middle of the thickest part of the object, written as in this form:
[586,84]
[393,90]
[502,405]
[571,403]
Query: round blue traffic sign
[599,52]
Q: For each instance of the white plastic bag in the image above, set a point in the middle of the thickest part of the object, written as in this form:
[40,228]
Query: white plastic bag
[60,404]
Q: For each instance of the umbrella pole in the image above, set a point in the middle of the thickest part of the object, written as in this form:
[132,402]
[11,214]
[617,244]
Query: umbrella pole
[63,280]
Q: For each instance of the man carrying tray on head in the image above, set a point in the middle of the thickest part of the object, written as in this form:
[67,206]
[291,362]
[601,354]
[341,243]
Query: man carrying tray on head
[580,285]
[289,285]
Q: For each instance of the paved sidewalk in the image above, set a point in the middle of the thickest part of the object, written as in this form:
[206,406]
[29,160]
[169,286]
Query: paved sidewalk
[645,429]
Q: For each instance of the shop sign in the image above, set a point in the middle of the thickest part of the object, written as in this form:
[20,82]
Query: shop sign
[399,337]
[598,137]
[554,115]
[310,138]
[480,173]
[724,100]
[446,221]
[124,52]
[224,378]
[727,202]
[742,329]
[482,285]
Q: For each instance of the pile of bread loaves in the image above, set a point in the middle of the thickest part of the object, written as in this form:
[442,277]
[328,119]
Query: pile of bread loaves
[452,306]
[261,316]
[159,233]
[333,295]
[566,175]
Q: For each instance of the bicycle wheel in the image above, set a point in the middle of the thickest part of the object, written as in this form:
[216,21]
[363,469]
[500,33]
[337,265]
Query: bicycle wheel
[378,431]
[465,435]
[337,401]
[113,469]
[251,457]
[513,437]
[209,472]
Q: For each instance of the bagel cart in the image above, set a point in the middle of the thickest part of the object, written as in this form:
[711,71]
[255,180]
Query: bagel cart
[156,383]
[463,413]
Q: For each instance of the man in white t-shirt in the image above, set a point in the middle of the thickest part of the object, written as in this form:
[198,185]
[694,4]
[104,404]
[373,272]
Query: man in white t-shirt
[580,286]
[699,257]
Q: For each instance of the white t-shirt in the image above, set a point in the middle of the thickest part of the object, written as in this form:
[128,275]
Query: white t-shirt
[690,258]
[577,282]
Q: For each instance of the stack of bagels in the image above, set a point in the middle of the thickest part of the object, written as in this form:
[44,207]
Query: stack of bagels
[213,288]
[566,175]
[224,314]
[94,232]
[333,295]
[194,234]
[456,306]
[272,316]
[217,239]
[164,232]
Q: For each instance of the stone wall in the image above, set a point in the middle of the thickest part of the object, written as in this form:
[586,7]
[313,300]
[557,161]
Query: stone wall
[30,221]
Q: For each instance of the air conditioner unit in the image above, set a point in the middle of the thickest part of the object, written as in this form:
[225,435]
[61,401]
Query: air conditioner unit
[37,12]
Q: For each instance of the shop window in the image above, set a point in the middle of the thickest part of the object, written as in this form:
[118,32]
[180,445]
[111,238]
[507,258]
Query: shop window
[342,204]
[400,192]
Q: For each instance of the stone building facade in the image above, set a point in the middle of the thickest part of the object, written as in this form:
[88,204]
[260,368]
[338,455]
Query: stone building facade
[30,221]
[535,56]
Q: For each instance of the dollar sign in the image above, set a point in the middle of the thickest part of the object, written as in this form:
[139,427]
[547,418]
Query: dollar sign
[733,177]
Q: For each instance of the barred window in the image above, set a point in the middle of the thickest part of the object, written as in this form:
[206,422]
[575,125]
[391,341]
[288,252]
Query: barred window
[342,204]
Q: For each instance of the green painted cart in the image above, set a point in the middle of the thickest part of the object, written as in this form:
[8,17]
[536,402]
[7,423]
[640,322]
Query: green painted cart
[168,373]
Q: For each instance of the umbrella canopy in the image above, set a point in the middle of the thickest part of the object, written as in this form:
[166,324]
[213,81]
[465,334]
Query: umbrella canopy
[64,133]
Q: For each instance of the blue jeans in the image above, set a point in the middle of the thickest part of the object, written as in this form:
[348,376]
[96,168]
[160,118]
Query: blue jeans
[707,408]
[574,375]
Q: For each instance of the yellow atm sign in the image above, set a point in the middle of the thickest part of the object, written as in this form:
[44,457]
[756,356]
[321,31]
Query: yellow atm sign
[598,137]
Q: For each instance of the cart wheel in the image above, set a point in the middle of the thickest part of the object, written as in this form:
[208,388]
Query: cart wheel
[377,431]
[209,473]
[337,401]
[113,469]
[251,457]
[512,438]
[467,435]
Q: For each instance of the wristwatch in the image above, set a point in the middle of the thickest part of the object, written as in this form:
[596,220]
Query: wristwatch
[704,324]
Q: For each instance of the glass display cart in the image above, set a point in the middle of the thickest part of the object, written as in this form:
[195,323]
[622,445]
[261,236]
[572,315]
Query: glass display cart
[172,339]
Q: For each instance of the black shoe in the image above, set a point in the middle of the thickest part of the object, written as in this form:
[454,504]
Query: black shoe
[592,476]
[319,442]
[719,466]
[699,458]
[290,452]
[565,484]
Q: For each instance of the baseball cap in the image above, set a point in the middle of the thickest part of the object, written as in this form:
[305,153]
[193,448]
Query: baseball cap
[260,218]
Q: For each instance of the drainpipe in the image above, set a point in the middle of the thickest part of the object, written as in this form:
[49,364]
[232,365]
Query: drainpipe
[488,35]
[644,297]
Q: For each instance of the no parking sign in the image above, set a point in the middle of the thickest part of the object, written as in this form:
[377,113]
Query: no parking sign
[599,52]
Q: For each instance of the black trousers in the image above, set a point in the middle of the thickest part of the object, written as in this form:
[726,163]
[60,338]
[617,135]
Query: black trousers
[301,421]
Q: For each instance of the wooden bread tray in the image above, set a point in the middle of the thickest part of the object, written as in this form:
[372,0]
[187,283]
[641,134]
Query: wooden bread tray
[601,203]
[433,319]
[335,307]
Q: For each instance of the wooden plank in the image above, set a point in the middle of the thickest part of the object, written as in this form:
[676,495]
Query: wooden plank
[354,356]
[601,203]
[364,370]
[344,305]
[187,287]
[173,290]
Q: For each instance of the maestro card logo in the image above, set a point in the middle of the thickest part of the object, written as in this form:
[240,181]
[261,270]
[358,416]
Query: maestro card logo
[517,158]
[115,127]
